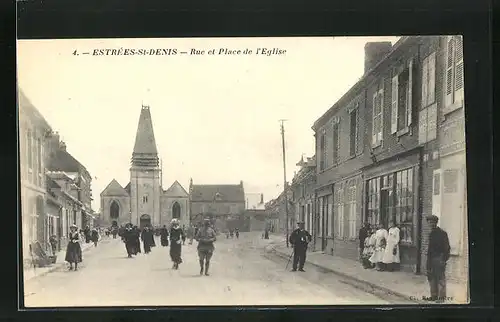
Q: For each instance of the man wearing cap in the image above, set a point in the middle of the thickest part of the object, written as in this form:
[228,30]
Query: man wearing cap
[205,238]
[438,254]
[299,239]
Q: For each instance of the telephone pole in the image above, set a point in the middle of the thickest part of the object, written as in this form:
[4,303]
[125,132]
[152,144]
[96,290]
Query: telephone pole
[284,179]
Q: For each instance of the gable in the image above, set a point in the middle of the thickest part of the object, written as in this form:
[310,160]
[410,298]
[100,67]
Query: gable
[176,190]
[114,189]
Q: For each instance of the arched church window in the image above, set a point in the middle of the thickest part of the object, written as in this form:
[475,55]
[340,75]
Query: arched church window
[176,210]
[145,199]
[114,210]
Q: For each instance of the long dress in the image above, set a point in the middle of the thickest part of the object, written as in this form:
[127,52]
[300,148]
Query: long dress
[176,238]
[164,237]
[137,240]
[368,248]
[380,242]
[129,239]
[74,250]
[390,256]
[148,240]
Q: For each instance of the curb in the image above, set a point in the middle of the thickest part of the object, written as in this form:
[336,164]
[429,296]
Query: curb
[366,286]
[58,265]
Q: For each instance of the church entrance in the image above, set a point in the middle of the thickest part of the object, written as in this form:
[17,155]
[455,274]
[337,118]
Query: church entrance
[176,210]
[144,221]
[114,223]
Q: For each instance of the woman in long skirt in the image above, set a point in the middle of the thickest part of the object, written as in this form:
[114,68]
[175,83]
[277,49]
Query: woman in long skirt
[391,255]
[147,239]
[176,238]
[73,250]
[369,247]
[380,243]
[164,236]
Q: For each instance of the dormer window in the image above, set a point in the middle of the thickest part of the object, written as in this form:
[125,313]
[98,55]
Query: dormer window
[218,196]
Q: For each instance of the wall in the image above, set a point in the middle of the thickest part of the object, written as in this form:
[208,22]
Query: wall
[167,204]
[124,216]
[145,182]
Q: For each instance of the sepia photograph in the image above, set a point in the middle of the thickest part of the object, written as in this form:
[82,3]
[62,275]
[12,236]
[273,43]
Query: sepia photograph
[242,171]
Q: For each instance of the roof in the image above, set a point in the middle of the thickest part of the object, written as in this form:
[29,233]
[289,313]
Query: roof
[363,81]
[220,193]
[114,189]
[176,190]
[63,161]
[145,139]
[127,188]
[28,109]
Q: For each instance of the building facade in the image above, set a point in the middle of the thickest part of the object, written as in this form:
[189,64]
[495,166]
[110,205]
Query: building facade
[303,192]
[143,201]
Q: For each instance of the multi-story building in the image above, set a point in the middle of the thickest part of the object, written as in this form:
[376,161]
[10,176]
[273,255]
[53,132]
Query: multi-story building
[279,213]
[303,188]
[380,150]
[33,132]
[224,204]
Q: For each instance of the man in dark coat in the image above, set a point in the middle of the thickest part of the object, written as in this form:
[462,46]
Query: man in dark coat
[137,239]
[128,237]
[164,236]
[87,234]
[363,233]
[147,240]
[438,254]
[299,239]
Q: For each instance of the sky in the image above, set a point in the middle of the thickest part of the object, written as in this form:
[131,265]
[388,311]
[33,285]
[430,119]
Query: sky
[215,117]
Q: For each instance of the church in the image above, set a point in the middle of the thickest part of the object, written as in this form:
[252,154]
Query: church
[143,201]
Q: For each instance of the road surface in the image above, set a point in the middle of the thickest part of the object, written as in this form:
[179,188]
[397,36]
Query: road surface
[239,275]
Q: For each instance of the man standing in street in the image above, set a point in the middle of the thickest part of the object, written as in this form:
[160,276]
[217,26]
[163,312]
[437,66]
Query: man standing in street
[438,254]
[299,239]
[205,238]
[363,233]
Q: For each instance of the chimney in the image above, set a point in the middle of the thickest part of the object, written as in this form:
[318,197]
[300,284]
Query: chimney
[241,183]
[261,198]
[62,146]
[375,52]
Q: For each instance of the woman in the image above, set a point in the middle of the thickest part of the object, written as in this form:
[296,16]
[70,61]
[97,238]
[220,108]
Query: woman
[391,258]
[128,237]
[368,248]
[176,238]
[94,236]
[380,243]
[73,250]
[147,240]
[164,236]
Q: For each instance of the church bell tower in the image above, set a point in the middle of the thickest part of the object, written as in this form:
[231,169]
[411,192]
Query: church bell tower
[145,189]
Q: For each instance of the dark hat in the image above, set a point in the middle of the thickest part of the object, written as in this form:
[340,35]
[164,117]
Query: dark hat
[300,222]
[432,218]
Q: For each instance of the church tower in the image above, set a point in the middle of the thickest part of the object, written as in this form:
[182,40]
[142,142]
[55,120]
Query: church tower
[145,189]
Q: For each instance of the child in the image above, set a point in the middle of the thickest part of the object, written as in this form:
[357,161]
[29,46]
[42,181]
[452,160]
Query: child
[368,249]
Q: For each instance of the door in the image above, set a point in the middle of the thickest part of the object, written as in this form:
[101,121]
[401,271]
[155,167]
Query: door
[324,211]
[384,208]
[145,221]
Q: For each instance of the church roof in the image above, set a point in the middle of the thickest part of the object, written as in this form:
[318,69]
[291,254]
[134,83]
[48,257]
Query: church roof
[220,192]
[127,188]
[114,189]
[176,190]
[145,139]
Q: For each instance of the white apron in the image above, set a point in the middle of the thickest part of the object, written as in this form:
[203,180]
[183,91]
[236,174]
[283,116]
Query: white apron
[392,242]
[378,252]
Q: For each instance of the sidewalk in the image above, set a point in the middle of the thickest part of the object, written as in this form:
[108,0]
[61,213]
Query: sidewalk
[30,272]
[401,285]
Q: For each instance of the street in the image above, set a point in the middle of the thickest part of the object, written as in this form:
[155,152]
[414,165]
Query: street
[239,275]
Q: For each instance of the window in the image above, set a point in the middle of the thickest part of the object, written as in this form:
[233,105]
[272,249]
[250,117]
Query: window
[373,199]
[403,207]
[454,93]
[321,217]
[437,184]
[352,211]
[429,80]
[39,159]
[329,212]
[339,208]
[29,143]
[401,100]
[427,124]
[450,178]
[378,117]
[145,199]
[322,152]
[353,131]
[336,141]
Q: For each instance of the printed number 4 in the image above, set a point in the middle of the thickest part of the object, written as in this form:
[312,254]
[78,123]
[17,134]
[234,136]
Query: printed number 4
[75,53]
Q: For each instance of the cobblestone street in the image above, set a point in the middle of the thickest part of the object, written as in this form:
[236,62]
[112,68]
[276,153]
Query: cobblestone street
[240,275]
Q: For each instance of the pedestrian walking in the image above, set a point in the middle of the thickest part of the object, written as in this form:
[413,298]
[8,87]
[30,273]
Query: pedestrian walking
[128,237]
[147,238]
[205,238]
[94,236]
[177,238]
[73,250]
[190,234]
[299,239]
[87,235]
[363,233]
[380,244]
[391,258]
[137,239]
[237,233]
[438,254]
[164,236]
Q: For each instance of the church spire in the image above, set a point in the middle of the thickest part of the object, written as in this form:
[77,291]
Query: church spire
[145,152]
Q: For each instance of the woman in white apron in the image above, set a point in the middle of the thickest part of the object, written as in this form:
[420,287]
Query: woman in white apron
[391,255]
[380,243]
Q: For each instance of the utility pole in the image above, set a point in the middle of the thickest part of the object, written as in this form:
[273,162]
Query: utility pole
[284,179]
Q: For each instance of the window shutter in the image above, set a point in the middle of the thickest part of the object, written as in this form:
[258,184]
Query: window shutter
[337,160]
[394,105]
[431,90]
[409,101]
[425,82]
[422,126]
[374,125]
[381,102]
[459,69]
[449,72]
[356,147]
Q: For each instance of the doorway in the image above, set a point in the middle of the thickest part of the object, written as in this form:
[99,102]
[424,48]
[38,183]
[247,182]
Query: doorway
[176,210]
[384,208]
[145,221]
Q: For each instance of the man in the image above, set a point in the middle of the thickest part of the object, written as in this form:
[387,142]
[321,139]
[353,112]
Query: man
[363,233]
[438,254]
[205,238]
[299,239]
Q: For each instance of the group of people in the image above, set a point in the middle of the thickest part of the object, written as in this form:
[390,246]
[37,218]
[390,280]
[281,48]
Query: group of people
[230,233]
[379,248]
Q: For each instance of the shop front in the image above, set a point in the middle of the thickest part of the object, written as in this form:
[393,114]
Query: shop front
[324,222]
[392,195]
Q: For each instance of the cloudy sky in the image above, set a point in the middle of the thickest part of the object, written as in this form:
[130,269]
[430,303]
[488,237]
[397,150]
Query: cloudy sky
[215,117]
